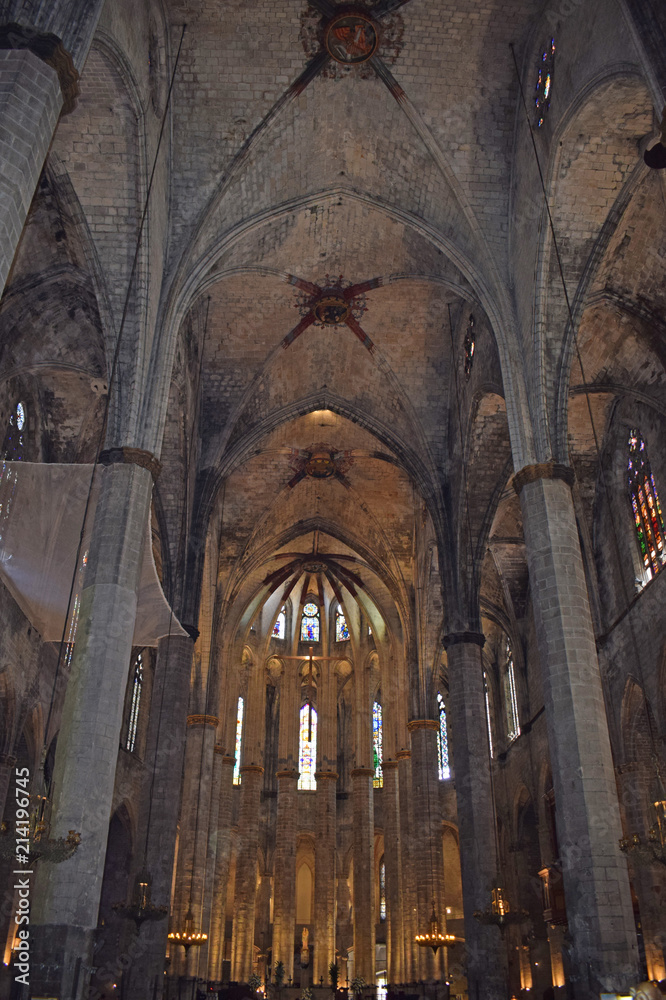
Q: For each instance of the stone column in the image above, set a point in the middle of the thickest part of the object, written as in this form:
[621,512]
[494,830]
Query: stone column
[7,765]
[364,883]
[325,822]
[30,102]
[66,897]
[286,825]
[428,862]
[394,886]
[596,883]
[408,900]
[221,876]
[246,873]
[161,807]
[468,738]
[193,843]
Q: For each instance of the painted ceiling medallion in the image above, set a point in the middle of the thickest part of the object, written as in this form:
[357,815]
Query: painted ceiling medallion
[351,39]
[332,309]
[320,465]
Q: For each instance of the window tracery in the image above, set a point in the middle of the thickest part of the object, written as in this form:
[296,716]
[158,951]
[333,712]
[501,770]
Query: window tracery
[377,745]
[648,519]
[310,623]
[307,748]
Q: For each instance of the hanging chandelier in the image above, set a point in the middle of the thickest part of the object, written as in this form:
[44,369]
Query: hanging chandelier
[140,908]
[645,853]
[188,937]
[433,937]
[29,839]
[500,914]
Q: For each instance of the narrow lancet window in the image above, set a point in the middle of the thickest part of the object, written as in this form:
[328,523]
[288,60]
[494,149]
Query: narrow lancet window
[648,518]
[307,748]
[279,627]
[239,741]
[382,890]
[442,741]
[490,730]
[377,751]
[341,627]
[510,695]
[544,83]
[137,684]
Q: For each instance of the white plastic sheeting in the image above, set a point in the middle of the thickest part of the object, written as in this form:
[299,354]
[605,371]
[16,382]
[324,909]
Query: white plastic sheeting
[41,512]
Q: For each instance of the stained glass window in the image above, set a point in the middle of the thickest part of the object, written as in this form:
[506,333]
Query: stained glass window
[377,754]
[137,684]
[510,696]
[13,444]
[645,505]
[341,628]
[544,84]
[382,890]
[442,741]
[469,344]
[239,740]
[279,627]
[310,623]
[490,731]
[307,748]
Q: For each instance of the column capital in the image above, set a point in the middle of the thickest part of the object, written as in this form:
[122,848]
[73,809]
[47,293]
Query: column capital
[458,638]
[131,456]
[49,48]
[203,720]
[543,470]
[285,774]
[389,765]
[7,758]
[228,759]
[415,724]
[322,775]
[362,772]
[403,754]
[251,769]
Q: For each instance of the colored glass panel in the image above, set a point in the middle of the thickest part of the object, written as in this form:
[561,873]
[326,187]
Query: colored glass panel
[442,741]
[279,627]
[544,83]
[239,740]
[341,628]
[307,748]
[469,345]
[310,623]
[377,751]
[648,518]
[137,684]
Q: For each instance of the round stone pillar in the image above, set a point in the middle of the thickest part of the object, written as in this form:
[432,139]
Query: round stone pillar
[408,901]
[468,739]
[66,897]
[325,822]
[596,885]
[165,750]
[428,862]
[222,861]
[364,883]
[394,886]
[246,873]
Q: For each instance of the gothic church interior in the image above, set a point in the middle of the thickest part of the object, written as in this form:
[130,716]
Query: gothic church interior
[333,397]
